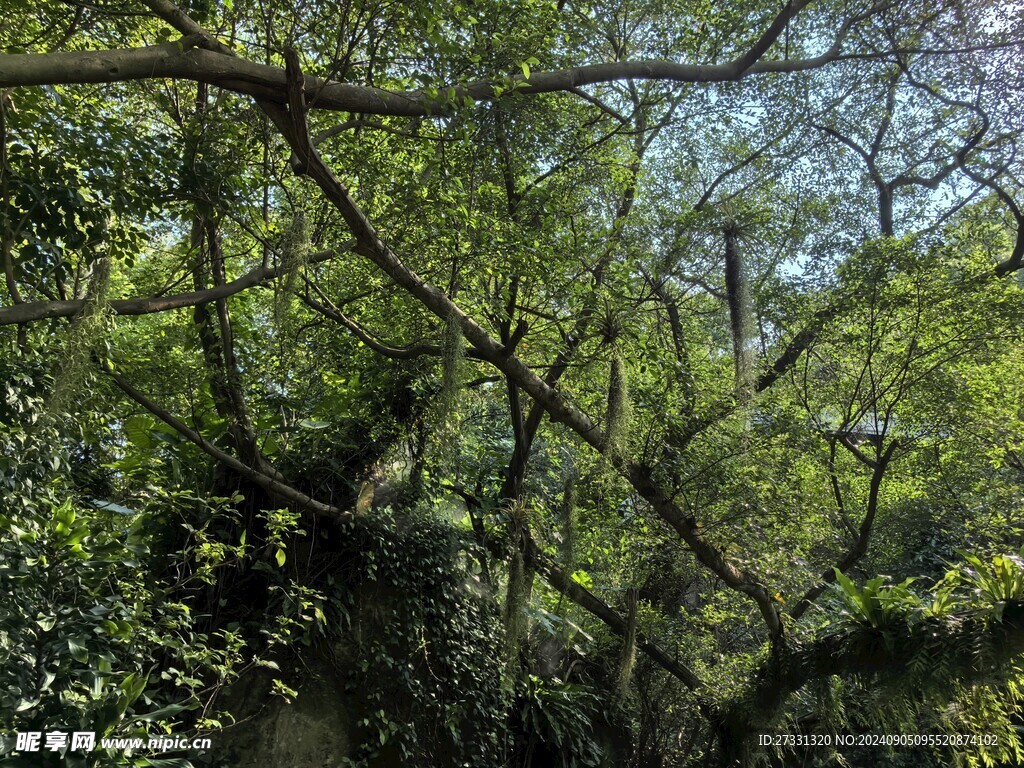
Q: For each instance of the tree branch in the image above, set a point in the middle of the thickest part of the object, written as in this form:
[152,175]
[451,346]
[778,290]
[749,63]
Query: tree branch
[200,57]
[574,591]
[42,310]
[888,651]
[272,486]
[395,353]
[860,546]
[587,600]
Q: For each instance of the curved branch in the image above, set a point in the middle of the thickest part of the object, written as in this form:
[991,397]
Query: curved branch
[770,35]
[860,546]
[395,353]
[1015,260]
[200,57]
[331,311]
[590,602]
[271,485]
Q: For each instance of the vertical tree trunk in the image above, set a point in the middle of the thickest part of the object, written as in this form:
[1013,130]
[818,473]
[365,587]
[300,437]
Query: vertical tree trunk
[739,309]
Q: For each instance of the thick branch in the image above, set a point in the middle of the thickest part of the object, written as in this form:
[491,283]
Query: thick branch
[211,62]
[797,346]
[860,546]
[42,310]
[770,35]
[889,651]
[587,600]
[274,487]
[738,302]
[409,352]
[269,83]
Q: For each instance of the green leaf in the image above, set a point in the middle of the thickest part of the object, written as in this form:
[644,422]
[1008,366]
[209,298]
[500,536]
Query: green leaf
[47,681]
[583,578]
[139,430]
[166,712]
[78,650]
[110,506]
[132,686]
[25,704]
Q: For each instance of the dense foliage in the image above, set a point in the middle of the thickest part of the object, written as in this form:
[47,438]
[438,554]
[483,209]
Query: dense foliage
[545,383]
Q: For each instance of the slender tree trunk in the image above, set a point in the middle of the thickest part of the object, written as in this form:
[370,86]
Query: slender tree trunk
[739,310]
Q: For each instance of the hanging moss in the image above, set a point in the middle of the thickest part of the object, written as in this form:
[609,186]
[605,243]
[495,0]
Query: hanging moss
[627,657]
[568,522]
[84,336]
[514,617]
[295,250]
[737,293]
[517,591]
[453,356]
[620,410]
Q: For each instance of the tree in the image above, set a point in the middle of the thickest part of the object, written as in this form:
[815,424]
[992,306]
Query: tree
[703,309]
